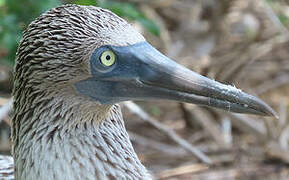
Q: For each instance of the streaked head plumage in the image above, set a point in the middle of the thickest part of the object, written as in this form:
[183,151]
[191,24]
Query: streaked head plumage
[65,37]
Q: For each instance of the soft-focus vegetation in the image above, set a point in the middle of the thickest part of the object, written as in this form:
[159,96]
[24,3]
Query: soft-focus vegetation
[15,16]
[124,9]
[279,9]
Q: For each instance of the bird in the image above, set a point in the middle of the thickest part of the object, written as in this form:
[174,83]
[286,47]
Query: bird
[74,65]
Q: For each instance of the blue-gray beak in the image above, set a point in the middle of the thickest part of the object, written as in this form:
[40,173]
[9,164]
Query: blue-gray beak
[143,73]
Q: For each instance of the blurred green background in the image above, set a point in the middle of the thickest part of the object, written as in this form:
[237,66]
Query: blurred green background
[15,17]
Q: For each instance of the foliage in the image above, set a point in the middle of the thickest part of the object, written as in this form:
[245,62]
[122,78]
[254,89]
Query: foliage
[15,16]
[277,7]
[124,9]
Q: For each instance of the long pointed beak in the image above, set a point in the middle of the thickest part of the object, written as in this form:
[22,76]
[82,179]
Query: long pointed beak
[149,74]
[188,86]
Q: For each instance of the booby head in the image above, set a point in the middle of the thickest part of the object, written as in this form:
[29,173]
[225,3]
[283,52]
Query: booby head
[102,57]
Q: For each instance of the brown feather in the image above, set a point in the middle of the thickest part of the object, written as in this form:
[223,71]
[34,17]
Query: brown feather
[56,132]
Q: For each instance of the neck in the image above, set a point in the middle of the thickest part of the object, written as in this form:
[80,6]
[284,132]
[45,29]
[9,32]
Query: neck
[76,139]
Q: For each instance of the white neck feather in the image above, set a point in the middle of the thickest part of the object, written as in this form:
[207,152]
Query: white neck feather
[57,145]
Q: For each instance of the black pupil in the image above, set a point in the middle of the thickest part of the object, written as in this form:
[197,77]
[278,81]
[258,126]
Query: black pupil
[107,57]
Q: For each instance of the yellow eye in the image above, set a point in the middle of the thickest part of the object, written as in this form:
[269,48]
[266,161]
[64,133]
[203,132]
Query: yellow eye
[107,58]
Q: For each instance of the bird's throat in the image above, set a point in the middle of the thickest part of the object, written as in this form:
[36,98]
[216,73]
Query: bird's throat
[75,143]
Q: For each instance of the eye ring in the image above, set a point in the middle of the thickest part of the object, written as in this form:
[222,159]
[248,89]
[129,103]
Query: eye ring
[107,58]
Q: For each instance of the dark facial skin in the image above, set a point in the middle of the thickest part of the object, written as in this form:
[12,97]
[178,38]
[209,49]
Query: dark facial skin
[140,72]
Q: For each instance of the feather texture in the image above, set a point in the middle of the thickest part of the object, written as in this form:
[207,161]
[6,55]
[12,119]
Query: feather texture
[56,132]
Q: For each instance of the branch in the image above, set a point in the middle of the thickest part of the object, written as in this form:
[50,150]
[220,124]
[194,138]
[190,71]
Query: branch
[169,149]
[135,109]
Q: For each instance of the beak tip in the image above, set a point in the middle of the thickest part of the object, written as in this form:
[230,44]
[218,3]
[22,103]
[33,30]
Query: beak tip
[272,113]
[276,116]
[259,106]
[268,111]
